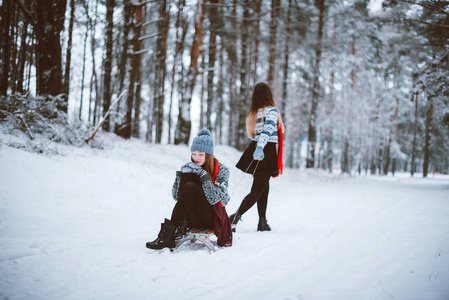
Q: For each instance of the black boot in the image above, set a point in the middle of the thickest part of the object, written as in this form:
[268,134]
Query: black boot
[182,229]
[263,225]
[234,218]
[165,238]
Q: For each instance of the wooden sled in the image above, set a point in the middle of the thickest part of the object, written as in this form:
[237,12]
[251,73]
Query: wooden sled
[202,235]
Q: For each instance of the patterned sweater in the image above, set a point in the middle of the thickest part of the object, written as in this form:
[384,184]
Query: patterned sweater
[266,131]
[214,193]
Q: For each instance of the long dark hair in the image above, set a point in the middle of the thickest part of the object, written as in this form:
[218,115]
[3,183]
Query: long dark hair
[261,97]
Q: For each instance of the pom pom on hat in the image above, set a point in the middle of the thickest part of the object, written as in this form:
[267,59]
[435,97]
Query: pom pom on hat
[204,131]
[203,142]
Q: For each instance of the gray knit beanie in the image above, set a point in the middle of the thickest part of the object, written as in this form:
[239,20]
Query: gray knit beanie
[203,142]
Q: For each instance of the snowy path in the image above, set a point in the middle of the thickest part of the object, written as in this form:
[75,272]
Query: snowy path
[75,227]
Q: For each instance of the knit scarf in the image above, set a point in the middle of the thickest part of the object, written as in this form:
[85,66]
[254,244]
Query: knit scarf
[280,149]
[222,224]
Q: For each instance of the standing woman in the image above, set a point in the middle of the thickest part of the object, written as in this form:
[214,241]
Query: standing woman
[201,191]
[261,158]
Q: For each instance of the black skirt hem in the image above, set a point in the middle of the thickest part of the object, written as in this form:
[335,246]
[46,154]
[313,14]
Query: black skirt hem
[268,165]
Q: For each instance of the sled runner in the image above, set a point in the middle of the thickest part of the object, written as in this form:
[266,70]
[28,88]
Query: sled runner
[202,235]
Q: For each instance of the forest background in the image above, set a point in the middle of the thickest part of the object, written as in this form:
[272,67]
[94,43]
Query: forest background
[362,85]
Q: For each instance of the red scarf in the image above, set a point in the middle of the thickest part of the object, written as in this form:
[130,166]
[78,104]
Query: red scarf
[222,224]
[280,149]
[215,176]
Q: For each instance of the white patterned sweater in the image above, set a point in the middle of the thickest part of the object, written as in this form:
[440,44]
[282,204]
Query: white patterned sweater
[266,131]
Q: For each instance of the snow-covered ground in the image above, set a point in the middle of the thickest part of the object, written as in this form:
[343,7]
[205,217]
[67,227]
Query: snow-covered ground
[75,227]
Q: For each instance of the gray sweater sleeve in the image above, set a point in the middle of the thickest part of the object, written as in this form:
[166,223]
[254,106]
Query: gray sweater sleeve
[175,188]
[219,191]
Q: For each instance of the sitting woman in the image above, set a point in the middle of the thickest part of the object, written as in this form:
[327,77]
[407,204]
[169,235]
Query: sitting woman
[201,191]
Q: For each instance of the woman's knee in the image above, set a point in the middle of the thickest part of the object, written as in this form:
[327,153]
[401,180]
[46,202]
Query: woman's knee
[190,185]
[190,190]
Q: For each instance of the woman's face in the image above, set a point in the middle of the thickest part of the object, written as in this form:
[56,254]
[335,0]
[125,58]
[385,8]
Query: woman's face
[199,157]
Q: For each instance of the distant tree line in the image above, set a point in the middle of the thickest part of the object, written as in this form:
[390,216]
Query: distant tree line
[361,90]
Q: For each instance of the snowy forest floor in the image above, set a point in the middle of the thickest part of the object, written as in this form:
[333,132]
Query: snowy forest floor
[74,226]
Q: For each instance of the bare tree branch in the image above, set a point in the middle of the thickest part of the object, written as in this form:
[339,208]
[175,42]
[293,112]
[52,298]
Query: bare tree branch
[26,126]
[104,118]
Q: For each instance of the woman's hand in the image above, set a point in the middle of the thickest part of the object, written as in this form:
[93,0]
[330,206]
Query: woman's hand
[198,169]
[191,167]
[258,154]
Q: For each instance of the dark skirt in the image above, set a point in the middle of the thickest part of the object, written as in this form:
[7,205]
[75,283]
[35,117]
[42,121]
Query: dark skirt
[193,204]
[268,165]
[201,214]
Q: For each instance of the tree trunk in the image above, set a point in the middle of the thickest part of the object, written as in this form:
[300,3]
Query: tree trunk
[380,158]
[22,58]
[94,79]
[386,160]
[315,90]
[30,59]
[346,161]
[5,46]
[257,37]
[124,55]
[137,69]
[202,90]
[68,57]
[220,93]
[160,69]
[286,61]
[126,129]
[243,105]
[275,11]
[138,98]
[233,100]
[107,90]
[123,62]
[213,16]
[83,72]
[14,37]
[415,133]
[181,30]
[293,137]
[330,108]
[428,135]
[50,23]
[395,129]
[288,141]
[345,157]
[184,124]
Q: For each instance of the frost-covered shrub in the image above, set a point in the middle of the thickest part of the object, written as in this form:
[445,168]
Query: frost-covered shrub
[42,120]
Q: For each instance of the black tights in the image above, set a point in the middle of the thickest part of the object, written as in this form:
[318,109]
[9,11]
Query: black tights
[259,194]
[193,205]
